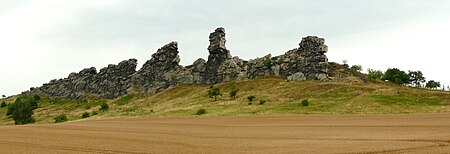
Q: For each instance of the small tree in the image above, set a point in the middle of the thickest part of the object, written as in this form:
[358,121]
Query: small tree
[416,78]
[22,110]
[394,75]
[250,98]
[234,91]
[4,96]
[432,84]
[3,104]
[61,118]
[374,74]
[214,93]
[356,68]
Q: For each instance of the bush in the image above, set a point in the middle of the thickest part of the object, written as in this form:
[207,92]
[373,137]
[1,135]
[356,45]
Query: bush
[21,111]
[104,106]
[250,103]
[374,74]
[233,92]
[85,115]
[61,118]
[356,68]
[3,104]
[214,93]
[261,102]
[250,98]
[305,102]
[200,112]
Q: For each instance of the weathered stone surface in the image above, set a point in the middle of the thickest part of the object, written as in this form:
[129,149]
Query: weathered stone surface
[218,55]
[162,71]
[159,72]
[110,82]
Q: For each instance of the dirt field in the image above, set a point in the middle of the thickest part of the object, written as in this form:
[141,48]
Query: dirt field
[427,133]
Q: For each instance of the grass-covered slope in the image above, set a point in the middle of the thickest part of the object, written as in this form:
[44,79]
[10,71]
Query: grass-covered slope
[280,97]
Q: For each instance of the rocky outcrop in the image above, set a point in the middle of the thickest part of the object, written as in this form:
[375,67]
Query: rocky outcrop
[158,73]
[110,82]
[162,71]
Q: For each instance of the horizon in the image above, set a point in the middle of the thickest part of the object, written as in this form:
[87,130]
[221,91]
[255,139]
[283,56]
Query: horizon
[48,40]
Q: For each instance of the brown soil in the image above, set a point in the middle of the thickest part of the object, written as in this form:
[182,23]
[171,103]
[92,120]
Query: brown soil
[419,133]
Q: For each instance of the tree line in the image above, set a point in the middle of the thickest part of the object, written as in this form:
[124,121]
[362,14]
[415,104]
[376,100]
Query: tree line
[397,76]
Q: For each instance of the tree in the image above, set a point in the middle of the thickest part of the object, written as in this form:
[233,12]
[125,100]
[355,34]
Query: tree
[214,93]
[374,74]
[356,68]
[22,110]
[4,96]
[432,84]
[416,78]
[396,76]
[233,92]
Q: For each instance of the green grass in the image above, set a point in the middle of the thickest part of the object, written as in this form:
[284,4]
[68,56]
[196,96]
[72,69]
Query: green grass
[280,96]
[123,100]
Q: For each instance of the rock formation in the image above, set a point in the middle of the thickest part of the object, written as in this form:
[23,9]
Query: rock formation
[110,82]
[162,71]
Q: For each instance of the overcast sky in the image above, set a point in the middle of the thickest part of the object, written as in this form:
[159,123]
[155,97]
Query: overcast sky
[48,39]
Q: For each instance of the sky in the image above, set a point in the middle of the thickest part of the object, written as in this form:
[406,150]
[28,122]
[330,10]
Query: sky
[49,39]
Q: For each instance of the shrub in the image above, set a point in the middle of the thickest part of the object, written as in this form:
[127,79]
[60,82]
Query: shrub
[104,106]
[214,93]
[250,98]
[3,104]
[356,68]
[85,115]
[374,74]
[233,92]
[305,102]
[261,102]
[61,118]
[200,112]
[250,103]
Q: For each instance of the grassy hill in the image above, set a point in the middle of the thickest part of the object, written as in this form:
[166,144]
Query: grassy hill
[348,96]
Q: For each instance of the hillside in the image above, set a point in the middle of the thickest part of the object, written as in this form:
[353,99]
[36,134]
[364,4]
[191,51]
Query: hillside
[349,96]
